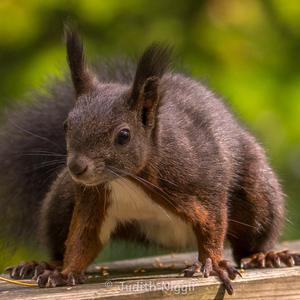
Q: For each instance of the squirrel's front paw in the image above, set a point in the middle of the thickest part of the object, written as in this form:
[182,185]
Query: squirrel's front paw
[223,270]
[55,278]
[29,270]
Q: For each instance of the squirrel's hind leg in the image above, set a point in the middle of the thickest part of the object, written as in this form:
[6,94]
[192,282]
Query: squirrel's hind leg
[256,215]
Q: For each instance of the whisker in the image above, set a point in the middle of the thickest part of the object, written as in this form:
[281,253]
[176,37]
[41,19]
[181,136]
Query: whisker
[44,154]
[50,172]
[149,183]
[230,233]
[104,204]
[46,151]
[52,161]
[242,223]
[289,221]
[154,187]
[157,175]
[48,164]
[54,168]
[35,135]
[124,183]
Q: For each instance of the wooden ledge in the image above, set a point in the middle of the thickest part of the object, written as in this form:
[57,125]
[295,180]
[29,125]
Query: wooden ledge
[159,277]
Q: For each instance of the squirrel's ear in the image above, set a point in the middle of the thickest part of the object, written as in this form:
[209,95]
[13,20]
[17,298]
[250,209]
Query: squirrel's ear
[83,80]
[145,90]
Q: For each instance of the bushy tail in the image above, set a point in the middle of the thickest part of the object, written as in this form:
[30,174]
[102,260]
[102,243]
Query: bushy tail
[32,152]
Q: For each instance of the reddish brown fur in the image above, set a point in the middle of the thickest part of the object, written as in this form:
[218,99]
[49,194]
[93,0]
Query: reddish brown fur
[83,243]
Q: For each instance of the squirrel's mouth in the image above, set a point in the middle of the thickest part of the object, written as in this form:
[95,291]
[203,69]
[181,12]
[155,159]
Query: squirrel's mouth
[93,183]
[93,180]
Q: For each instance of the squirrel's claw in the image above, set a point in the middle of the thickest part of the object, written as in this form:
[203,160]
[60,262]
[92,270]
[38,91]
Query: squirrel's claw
[193,269]
[223,270]
[24,270]
[271,259]
[55,278]
[76,278]
[29,270]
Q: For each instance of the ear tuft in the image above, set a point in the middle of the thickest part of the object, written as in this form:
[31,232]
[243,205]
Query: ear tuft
[153,64]
[83,81]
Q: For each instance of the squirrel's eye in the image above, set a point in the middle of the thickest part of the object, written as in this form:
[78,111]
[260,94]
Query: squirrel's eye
[123,136]
[65,125]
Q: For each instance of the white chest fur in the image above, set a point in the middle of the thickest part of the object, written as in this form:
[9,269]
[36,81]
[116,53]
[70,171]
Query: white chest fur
[130,202]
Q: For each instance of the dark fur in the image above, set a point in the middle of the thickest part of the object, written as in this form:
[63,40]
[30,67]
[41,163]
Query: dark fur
[202,164]
[153,64]
[81,78]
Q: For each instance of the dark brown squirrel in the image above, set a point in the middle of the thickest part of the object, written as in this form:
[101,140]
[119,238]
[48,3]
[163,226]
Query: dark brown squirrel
[154,155]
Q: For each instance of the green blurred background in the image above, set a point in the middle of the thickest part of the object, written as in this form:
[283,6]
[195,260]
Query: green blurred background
[246,50]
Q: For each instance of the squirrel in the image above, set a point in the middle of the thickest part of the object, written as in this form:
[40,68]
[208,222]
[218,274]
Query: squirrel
[144,153]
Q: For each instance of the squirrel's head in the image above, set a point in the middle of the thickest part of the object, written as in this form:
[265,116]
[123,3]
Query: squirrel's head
[109,132]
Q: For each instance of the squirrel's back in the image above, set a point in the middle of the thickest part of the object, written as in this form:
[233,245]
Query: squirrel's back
[198,127]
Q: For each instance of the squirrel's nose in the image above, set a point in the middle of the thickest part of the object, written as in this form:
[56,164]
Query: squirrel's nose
[77,166]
